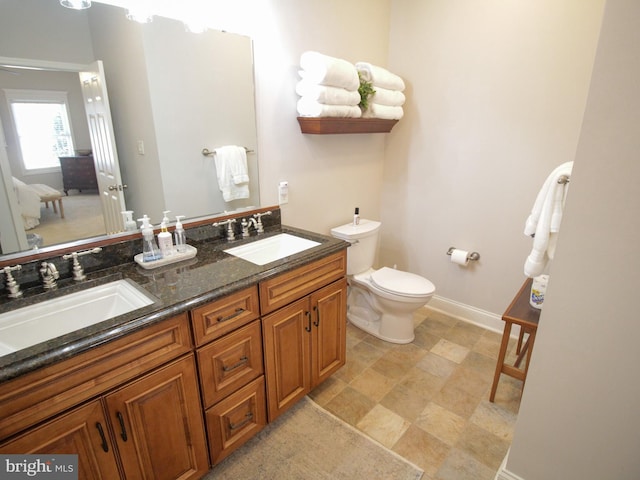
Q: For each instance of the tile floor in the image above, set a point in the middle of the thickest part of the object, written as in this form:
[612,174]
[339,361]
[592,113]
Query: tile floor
[429,400]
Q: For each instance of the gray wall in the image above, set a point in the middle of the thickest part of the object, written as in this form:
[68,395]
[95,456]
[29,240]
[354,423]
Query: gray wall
[579,415]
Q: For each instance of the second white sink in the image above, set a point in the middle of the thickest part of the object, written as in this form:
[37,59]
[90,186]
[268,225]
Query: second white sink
[46,320]
[273,248]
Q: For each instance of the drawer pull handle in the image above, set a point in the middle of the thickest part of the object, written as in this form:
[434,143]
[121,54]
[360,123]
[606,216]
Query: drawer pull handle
[233,315]
[242,361]
[247,419]
[317,321]
[123,430]
[308,327]
[104,444]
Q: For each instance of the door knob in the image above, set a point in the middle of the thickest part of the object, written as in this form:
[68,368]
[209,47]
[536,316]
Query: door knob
[117,187]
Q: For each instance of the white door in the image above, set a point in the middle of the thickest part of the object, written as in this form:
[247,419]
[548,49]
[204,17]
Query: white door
[103,142]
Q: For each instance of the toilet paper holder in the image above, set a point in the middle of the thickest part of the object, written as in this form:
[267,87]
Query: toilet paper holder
[474,256]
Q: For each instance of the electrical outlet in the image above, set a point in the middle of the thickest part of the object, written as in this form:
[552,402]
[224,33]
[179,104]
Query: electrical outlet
[140,147]
[283,193]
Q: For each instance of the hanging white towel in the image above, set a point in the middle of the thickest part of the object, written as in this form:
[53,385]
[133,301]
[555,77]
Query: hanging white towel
[543,223]
[380,77]
[231,172]
[326,70]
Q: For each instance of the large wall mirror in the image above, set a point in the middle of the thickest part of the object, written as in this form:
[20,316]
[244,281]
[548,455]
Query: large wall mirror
[172,93]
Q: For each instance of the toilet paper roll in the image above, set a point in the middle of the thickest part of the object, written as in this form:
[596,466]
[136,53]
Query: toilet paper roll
[460,257]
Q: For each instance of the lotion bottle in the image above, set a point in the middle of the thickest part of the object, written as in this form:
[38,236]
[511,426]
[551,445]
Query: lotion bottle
[179,235]
[150,250]
[356,217]
[165,242]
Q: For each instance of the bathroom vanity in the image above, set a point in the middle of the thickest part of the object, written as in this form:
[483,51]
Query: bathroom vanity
[172,388]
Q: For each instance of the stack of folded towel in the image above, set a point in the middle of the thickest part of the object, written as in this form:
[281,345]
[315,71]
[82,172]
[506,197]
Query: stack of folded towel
[388,98]
[329,87]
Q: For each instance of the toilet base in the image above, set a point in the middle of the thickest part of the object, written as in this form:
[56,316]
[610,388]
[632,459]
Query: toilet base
[367,320]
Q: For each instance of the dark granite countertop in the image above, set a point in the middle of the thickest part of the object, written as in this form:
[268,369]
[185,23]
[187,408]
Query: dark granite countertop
[177,288]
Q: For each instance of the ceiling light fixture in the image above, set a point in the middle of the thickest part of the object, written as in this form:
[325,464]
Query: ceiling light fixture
[76,4]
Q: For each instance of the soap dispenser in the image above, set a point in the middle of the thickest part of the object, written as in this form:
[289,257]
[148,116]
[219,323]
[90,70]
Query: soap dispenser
[150,250]
[129,224]
[165,242]
[179,235]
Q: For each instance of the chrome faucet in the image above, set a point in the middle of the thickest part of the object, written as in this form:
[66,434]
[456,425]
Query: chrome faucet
[11,284]
[78,272]
[49,274]
[258,217]
[246,225]
[231,235]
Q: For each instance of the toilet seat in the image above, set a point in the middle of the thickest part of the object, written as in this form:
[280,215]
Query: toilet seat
[405,284]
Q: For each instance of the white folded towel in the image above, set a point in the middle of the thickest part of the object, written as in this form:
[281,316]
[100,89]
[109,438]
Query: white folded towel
[326,70]
[380,77]
[383,111]
[327,94]
[232,172]
[310,108]
[544,220]
[384,96]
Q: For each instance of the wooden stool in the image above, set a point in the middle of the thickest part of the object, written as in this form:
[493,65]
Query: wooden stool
[48,194]
[521,313]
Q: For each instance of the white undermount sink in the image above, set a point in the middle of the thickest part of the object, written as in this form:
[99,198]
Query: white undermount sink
[43,321]
[273,248]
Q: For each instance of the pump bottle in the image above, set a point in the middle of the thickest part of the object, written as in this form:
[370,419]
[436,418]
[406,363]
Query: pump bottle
[150,250]
[165,241]
[179,235]
[129,224]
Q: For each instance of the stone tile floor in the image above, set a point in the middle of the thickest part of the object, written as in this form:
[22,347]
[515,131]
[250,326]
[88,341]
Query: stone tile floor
[428,400]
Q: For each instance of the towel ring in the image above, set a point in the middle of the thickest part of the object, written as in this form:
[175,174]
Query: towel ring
[209,153]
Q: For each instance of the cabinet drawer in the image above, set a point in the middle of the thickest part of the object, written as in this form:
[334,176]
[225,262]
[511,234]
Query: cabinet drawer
[214,319]
[230,362]
[290,286]
[36,396]
[236,419]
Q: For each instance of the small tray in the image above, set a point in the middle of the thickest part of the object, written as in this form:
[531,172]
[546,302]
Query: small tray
[176,257]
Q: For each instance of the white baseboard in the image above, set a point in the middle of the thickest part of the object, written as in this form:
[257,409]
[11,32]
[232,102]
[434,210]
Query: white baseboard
[470,314]
[504,474]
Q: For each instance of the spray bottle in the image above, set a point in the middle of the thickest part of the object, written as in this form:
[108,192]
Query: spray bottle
[356,217]
[179,235]
[127,219]
[165,241]
[150,250]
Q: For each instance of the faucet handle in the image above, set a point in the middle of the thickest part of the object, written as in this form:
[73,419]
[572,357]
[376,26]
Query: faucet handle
[78,272]
[12,286]
[229,223]
[258,216]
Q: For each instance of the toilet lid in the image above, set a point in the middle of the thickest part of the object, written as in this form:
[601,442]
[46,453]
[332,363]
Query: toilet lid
[402,283]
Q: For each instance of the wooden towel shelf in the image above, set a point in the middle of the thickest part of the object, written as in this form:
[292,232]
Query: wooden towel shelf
[331,125]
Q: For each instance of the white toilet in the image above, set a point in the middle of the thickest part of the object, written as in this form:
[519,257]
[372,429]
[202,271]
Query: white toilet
[380,302]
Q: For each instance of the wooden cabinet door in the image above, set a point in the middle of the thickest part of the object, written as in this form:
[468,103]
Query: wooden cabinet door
[82,432]
[287,343]
[157,424]
[328,347]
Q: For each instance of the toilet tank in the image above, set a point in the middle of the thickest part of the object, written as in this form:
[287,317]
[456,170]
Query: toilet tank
[364,241]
